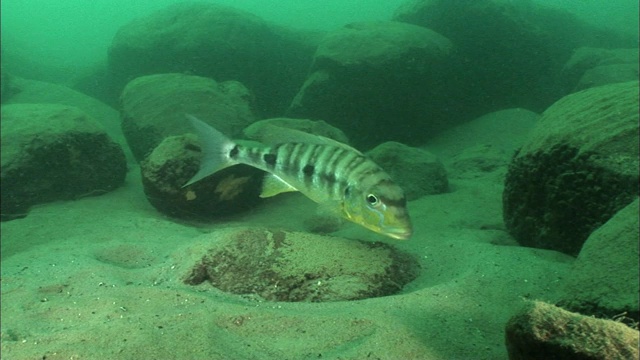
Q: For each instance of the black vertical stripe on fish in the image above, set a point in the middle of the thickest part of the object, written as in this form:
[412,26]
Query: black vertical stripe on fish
[306,154]
[294,156]
[329,159]
[310,169]
[351,167]
[369,172]
[325,174]
[308,174]
[285,153]
[342,166]
[333,161]
[270,159]
[233,153]
[339,170]
[253,155]
[302,159]
[282,154]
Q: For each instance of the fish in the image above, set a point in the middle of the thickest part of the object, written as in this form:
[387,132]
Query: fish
[337,176]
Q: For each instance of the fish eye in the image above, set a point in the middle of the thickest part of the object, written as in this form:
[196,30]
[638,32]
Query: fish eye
[372,200]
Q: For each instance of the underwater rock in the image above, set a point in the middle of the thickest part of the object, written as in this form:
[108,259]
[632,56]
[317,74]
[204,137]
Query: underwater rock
[417,171]
[219,42]
[578,168]
[543,331]
[603,281]
[54,152]
[278,265]
[478,160]
[40,92]
[608,74]
[267,131]
[508,53]
[172,163]
[154,107]
[378,81]
[590,67]
[504,131]
[126,256]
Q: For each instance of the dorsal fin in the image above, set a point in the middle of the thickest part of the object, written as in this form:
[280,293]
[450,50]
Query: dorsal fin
[275,135]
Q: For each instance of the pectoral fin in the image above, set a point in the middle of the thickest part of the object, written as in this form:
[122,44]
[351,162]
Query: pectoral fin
[273,185]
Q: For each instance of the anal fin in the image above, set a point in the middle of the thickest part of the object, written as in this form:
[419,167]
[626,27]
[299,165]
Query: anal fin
[273,185]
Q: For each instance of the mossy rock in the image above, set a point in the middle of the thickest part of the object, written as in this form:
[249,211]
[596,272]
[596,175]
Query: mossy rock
[154,107]
[578,168]
[278,265]
[54,152]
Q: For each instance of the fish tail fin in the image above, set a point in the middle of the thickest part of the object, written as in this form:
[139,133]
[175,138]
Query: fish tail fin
[215,149]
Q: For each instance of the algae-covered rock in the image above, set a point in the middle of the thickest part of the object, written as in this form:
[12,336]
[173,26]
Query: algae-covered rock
[590,67]
[608,74]
[279,265]
[219,42]
[604,279]
[54,152]
[417,171]
[578,168]
[543,331]
[154,107]
[27,91]
[509,53]
[377,80]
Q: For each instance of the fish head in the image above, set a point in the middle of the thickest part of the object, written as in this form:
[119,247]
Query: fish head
[381,207]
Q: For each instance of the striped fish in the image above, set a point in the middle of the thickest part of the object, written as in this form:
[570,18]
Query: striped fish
[328,172]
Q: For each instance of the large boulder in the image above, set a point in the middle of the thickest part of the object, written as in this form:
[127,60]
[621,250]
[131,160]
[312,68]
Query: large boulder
[154,107]
[417,171]
[24,91]
[578,168]
[277,265]
[543,331]
[54,152]
[378,81]
[590,67]
[603,281]
[484,145]
[219,42]
[509,53]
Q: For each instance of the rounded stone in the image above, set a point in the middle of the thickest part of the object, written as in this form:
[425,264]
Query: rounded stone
[154,107]
[219,42]
[578,168]
[603,281]
[417,171]
[54,152]
[376,81]
[279,265]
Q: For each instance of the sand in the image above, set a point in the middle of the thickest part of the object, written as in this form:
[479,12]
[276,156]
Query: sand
[101,278]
